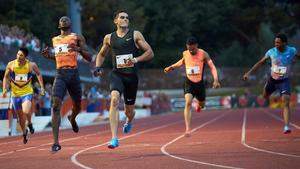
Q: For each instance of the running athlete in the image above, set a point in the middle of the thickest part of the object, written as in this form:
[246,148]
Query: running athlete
[194,60]
[19,73]
[124,44]
[67,46]
[281,57]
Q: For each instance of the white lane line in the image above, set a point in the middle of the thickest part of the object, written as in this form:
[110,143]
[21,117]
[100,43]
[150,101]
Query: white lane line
[46,144]
[163,148]
[65,140]
[280,119]
[243,141]
[74,156]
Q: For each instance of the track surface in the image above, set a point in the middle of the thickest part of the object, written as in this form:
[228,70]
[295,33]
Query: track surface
[238,138]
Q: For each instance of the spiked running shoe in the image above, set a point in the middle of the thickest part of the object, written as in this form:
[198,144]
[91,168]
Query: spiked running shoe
[55,147]
[74,124]
[31,129]
[25,137]
[286,130]
[198,108]
[127,127]
[114,143]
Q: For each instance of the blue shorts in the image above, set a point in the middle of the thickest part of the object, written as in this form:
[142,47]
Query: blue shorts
[283,86]
[18,101]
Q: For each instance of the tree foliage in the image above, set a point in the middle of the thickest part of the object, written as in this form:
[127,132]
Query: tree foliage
[233,32]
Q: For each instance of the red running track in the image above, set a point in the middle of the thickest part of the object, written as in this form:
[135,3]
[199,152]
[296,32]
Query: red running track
[238,138]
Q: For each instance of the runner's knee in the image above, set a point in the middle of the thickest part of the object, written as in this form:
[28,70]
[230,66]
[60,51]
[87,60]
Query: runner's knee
[114,101]
[56,104]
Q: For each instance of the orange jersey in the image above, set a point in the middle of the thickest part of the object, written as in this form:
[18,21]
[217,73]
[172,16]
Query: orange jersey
[194,65]
[63,57]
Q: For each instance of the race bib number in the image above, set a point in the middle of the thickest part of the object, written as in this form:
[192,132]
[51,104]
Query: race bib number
[21,77]
[281,70]
[193,70]
[61,49]
[122,61]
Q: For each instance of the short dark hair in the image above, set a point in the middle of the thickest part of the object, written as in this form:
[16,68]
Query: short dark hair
[282,37]
[191,40]
[25,51]
[116,13]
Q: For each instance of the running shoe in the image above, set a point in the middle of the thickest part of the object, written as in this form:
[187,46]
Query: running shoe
[25,137]
[31,129]
[127,127]
[55,147]
[114,143]
[74,124]
[286,129]
[198,108]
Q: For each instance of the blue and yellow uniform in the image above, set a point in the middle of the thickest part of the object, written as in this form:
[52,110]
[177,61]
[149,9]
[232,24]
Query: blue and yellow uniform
[21,86]
[280,68]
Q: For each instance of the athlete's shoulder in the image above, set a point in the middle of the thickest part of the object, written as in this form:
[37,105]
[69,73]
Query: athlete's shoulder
[292,48]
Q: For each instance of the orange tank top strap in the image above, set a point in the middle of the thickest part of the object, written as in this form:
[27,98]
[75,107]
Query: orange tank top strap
[65,58]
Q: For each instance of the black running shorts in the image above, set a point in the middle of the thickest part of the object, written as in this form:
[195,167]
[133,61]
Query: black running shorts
[67,79]
[126,84]
[196,89]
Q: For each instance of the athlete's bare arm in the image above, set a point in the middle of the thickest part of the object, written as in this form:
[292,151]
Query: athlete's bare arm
[143,45]
[174,66]
[213,70]
[47,54]
[103,51]
[39,76]
[6,79]
[255,67]
[83,49]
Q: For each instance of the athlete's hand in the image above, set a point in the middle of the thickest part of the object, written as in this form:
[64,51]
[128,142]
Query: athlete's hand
[216,84]
[74,48]
[132,61]
[4,92]
[45,52]
[98,71]
[168,69]
[42,92]
[246,76]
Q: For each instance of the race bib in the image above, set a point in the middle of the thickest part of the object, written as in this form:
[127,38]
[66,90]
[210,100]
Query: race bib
[122,61]
[193,70]
[61,49]
[281,70]
[21,77]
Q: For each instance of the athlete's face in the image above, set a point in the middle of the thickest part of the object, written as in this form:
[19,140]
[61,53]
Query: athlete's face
[64,23]
[193,48]
[122,20]
[279,44]
[20,56]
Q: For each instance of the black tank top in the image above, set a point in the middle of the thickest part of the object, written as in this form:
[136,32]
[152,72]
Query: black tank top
[122,49]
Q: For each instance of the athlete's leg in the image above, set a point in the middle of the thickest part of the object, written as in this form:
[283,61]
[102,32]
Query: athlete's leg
[286,109]
[187,112]
[114,112]
[26,107]
[56,106]
[75,111]
[129,112]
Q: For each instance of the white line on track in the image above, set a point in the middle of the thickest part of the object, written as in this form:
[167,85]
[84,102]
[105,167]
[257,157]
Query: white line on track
[243,141]
[74,156]
[46,144]
[280,119]
[163,148]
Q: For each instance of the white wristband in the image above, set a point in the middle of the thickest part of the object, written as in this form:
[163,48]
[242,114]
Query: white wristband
[135,60]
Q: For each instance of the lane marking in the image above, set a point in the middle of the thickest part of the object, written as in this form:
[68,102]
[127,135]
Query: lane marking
[163,148]
[280,119]
[74,156]
[243,141]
